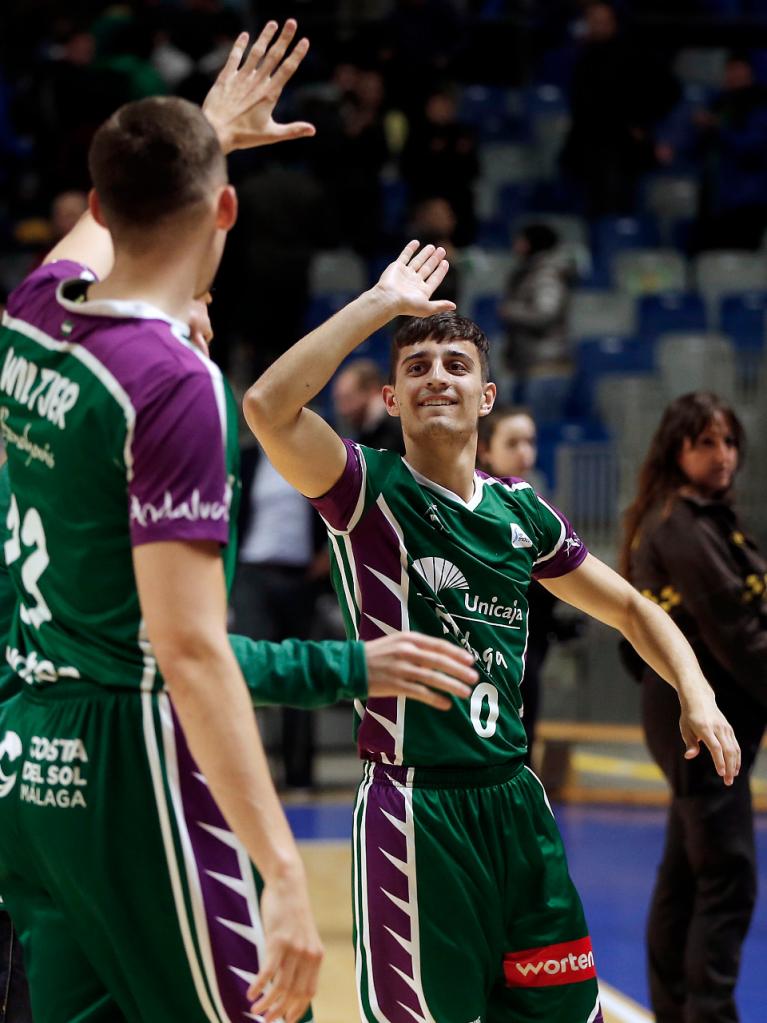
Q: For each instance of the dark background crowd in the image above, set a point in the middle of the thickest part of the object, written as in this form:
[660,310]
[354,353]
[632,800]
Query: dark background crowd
[409,98]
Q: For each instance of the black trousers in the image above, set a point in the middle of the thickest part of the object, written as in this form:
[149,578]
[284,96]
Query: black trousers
[14,996]
[275,603]
[705,888]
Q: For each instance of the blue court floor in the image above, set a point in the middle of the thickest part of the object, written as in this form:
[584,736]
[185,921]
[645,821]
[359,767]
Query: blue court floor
[613,854]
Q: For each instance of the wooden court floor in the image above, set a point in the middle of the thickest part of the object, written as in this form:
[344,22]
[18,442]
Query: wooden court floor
[328,866]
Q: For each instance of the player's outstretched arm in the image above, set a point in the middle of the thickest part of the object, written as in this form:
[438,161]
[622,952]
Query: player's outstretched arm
[183,602]
[298,443]
[595,588]
[308,674]
[241,103]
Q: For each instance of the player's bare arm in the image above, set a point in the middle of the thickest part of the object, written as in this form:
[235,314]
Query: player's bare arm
[240,107]
[299,443]
[599,591]
[183,600]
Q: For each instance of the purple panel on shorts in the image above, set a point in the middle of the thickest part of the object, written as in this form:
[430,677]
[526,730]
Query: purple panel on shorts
[387,920]
[375,548]
[338,504]
[214,854]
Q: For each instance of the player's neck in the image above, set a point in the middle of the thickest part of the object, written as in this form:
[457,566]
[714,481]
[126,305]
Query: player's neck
[451,465]
[168,283]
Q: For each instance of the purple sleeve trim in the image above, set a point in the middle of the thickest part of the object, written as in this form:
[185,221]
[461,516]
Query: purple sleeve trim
[338,505]
[571,553]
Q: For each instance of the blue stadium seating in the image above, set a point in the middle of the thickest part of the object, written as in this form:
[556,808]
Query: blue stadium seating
[611,235]
[742,318]
[598,356]
[668,311]
[484,311]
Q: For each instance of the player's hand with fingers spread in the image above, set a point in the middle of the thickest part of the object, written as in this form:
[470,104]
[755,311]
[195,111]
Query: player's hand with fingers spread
[702,721]
[287,979]
[420,667]
[241,103]
[407,284]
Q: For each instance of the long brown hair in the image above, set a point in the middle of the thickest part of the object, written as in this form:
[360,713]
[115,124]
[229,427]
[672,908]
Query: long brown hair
[660,476]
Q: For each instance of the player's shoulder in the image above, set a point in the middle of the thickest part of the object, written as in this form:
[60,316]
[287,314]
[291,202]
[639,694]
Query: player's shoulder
[510,489]
[34,300]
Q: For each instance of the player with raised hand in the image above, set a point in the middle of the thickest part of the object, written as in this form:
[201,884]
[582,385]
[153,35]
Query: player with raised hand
[464,907]
[128,819]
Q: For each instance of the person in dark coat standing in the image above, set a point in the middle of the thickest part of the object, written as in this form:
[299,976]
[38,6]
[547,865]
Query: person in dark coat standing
[685,548]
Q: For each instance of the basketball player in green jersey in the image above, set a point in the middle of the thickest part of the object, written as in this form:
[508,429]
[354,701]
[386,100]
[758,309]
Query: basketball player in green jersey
[464,909]
[128,821]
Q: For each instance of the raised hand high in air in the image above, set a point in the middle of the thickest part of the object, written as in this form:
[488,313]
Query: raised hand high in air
[241,103]
[410,281]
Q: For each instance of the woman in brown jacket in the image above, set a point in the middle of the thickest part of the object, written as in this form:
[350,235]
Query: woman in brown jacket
[685,548]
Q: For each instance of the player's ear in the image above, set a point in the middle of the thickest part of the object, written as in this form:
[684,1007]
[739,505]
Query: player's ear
[226,208]
[94,206]
[489,391]
[390,401]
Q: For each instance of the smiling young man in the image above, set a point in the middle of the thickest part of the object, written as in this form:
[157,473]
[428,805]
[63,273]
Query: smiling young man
[464,909]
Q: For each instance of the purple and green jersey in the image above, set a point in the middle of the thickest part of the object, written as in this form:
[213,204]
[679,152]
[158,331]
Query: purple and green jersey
[409,554]
[118,433]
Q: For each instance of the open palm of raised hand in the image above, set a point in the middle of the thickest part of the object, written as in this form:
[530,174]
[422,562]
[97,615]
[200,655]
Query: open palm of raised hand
[241,103]
[412,279]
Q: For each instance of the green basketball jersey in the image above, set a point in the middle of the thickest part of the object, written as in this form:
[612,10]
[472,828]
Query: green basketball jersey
[408,554]
[118,432]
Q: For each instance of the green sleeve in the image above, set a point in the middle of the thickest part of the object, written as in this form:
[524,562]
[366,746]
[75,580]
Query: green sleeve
[304,674]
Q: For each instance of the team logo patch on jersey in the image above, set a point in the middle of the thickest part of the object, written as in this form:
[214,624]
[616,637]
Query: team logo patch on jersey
[572,543]
[519,538]
[10,749]
[569,962]
[441,574]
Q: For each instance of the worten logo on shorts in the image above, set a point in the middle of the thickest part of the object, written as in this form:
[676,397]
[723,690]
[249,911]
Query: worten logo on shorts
[566,963]
[10,750]
[441,574]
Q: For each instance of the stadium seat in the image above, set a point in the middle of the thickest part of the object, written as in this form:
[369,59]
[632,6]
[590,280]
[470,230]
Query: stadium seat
[484,312]
[704,66]
[670,310]
[597,357]
[612,235]
[696,361]
[728,270]
[335,270]
[491,111]
[649,271]
[742,317]
[509,163]
[670,198]
[322,307]
[483,273]
[598,311]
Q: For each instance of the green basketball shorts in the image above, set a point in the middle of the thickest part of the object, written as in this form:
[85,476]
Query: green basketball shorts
[134,901]
[464,909]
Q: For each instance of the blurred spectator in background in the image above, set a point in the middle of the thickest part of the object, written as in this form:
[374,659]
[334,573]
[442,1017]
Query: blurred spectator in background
[262,291]
[440,156]
[535,308]
[359,408]
[618,93]
[508,447]
[434,222]
[685,548]
[733,130]
[281,559]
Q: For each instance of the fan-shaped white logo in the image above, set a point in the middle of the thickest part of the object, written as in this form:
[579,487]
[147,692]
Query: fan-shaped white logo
[10,749]
[441,574]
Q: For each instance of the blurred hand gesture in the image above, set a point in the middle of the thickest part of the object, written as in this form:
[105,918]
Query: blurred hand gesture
[241,103]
